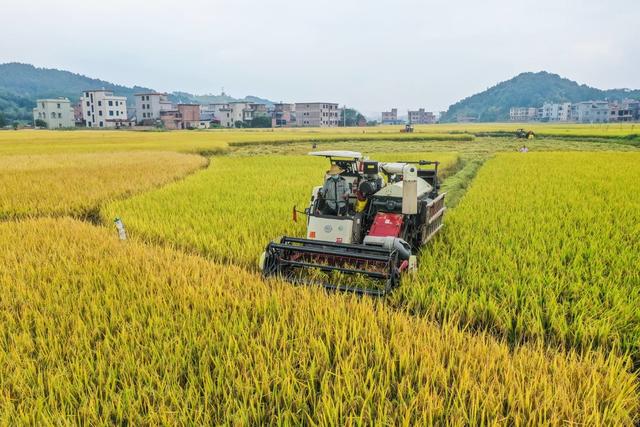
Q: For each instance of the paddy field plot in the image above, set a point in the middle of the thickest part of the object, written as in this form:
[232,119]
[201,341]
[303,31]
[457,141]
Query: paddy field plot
[230,211]
[76,184]
[523,311]
[543,247]
[100,331]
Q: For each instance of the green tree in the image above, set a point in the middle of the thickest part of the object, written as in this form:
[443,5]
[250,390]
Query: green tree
[40,123]
[3,120]
[261,122]
[353,117]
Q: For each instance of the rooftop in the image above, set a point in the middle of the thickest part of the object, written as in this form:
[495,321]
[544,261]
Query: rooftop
[53,100]
[316,103]
[150,93]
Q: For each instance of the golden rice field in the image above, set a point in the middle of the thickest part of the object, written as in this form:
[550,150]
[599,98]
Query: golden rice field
[595,130]
[77,183]
[222,140]
[230,211]
[523,311]
[99,331]
[543,247]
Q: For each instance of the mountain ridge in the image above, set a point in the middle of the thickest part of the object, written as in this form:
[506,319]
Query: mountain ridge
[529,89]
[22,84]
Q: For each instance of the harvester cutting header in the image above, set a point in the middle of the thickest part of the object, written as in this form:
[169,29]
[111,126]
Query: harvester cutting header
[367,220]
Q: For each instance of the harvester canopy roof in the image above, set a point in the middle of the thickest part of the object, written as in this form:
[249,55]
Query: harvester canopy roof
[337,153]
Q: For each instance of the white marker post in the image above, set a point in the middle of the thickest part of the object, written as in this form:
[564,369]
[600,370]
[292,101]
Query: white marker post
[122,233]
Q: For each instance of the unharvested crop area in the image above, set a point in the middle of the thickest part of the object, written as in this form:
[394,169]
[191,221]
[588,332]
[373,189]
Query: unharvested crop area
[34,185]
[101,331]
[523,312]
[544,246]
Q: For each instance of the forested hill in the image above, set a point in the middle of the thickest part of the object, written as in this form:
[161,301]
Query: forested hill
[529,90]
[22,84]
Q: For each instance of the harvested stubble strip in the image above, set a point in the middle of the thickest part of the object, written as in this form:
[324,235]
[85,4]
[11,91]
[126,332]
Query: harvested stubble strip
[95,330]
[210,141]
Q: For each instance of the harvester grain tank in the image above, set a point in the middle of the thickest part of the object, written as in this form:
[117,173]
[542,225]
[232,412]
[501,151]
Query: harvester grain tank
[368,219]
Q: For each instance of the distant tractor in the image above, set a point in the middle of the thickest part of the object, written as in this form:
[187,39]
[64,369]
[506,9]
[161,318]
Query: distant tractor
[525,134]
[407,129]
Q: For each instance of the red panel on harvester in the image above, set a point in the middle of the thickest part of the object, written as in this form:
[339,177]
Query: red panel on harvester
[386,224]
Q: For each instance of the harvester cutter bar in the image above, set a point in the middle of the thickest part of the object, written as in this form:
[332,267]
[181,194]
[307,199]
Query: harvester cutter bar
[294,254]
[321,250]
[322,267]
[346,289]
[347,246]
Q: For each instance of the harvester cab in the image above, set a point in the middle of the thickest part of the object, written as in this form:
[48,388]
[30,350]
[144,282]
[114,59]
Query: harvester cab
[365,225]
[408,128]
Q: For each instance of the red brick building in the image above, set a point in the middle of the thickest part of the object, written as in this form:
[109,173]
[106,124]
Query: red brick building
[187,116]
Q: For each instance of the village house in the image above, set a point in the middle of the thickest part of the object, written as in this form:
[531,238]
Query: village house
[56,113]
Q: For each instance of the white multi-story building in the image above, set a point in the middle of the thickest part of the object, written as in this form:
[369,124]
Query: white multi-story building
[522,114]
[223,113]
[421,117]
[56,113]
[150,105]
[590,112]
[390,117]
[238,112]
[555,112]
[102,109]
[317,114]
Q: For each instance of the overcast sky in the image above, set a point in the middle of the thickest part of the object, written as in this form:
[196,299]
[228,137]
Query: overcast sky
[372,55]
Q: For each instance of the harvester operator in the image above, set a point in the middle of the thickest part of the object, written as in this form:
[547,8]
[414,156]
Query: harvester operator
[371,183]
[335,192]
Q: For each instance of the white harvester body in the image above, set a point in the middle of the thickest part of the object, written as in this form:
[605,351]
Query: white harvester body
[369,218]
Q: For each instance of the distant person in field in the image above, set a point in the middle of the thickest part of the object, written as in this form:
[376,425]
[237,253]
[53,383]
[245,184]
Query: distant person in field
[524,149]
[335,192]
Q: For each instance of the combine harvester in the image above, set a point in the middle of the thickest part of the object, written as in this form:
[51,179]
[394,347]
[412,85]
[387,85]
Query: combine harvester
[367,221]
